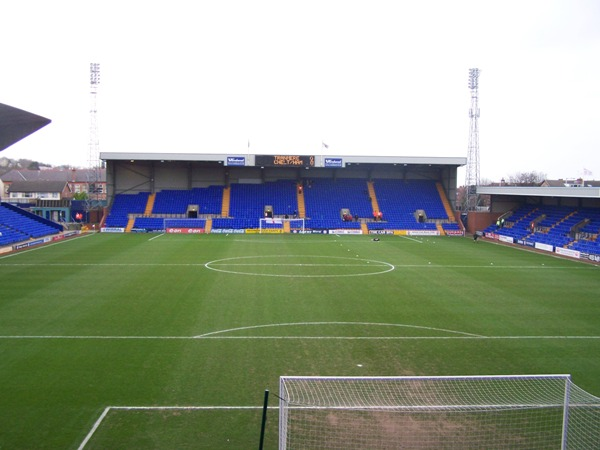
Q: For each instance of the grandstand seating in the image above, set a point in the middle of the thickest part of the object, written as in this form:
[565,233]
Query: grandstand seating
[176,201]
[451,226]
[248,201]
[554,225]
[125,204]
[586,246]
[10,236]
[517,225]
[325,198]
[18,225]
[399,199]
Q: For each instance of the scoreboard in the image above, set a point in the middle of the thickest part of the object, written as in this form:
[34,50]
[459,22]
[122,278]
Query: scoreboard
[284,161]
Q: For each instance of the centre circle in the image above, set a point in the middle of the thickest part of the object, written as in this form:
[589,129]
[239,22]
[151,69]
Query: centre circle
[299,266]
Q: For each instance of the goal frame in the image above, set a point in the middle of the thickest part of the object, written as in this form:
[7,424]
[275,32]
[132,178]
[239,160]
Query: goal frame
[277,220]
[327,395]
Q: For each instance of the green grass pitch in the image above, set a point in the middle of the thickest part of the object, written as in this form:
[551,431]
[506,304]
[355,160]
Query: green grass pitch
[169,341]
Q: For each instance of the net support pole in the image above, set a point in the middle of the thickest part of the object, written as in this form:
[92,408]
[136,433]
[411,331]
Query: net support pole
[264,420]
[565,425]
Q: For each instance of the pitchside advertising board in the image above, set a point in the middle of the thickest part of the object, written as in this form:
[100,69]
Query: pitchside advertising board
[576,254]
[180,230]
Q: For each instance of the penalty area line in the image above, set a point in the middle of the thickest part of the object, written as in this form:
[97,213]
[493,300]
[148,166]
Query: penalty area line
[100,419]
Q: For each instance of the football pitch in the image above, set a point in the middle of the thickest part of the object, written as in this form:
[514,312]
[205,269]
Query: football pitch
[144,341]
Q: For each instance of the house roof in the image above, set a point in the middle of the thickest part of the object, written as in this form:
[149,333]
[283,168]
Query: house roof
[571,182]
[37,186]
[70,175]
[15,124]
[554,183]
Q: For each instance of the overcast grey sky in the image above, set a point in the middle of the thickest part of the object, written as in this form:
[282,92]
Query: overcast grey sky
[370,77]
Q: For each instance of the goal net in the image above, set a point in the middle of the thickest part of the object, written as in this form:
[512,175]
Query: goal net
[280,224]
[476,412]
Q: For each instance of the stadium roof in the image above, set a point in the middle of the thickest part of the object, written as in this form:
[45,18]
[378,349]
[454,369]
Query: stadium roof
[15,124]
[576,192]
[242,159]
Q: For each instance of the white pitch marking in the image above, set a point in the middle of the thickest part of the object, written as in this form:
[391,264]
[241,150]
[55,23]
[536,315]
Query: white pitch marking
[334,323]
[304,264]
[94,428]
[343,338]
[211,265]
[41,247]
[412,239]
[278,242]
[161,408]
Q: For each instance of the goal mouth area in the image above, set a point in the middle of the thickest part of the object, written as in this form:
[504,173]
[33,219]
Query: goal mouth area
[503,411]
[266,224]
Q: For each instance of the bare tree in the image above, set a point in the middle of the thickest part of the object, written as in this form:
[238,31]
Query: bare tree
[461,198]
[532,178]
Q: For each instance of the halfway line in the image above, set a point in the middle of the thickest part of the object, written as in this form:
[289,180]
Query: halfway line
[213,337]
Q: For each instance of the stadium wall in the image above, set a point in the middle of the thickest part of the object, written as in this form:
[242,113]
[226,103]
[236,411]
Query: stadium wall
[477,221]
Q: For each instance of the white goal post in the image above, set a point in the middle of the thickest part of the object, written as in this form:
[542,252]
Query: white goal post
[278,223]
[504,411]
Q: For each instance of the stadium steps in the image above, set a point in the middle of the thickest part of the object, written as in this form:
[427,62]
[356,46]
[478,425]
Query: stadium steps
[445,202]
[364,228]
[440,229]
[286,227]
[208,226]
[226,202]
[130,224]
[373,196]
[150,204]
[301,204]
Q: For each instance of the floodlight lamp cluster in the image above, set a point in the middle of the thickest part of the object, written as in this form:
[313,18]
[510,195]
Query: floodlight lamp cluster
[473,78]
[94,73]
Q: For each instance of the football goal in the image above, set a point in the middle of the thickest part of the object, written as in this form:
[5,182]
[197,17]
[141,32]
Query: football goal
[279,224]
[482,412]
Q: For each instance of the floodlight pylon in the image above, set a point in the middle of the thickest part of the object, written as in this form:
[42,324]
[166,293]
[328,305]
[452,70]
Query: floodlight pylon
[472,172]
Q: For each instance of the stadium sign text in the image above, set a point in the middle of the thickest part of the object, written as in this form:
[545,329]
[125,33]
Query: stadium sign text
[333,162]
[284,161]
[113,230]
[236,160]
[185,230]
[227,231]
